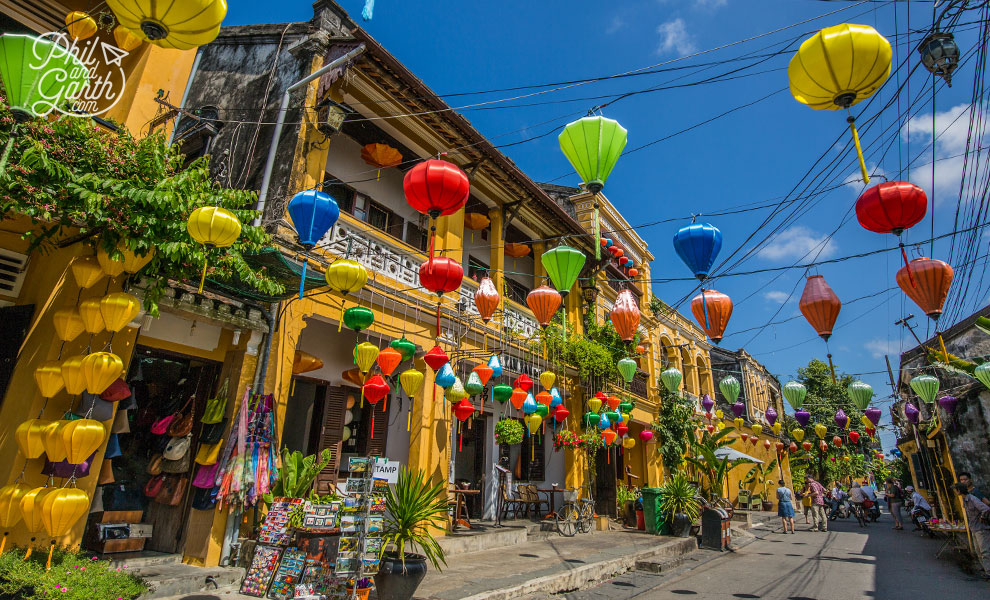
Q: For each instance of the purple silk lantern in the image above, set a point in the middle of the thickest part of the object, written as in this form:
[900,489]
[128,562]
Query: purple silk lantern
[707,403]
[738,409]
[911,412]
[803,417]
[841,419]
[948,403]
[771,416]
[873,414]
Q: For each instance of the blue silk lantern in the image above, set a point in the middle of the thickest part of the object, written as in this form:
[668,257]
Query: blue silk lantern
[556,399]
[445,376]
[529,405]
[698,245]
[608,242]
[495,365]
[603,422]
[313,213]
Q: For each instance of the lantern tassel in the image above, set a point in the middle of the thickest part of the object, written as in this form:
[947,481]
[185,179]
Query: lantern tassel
[409,417]
[460,436]
[51,549]
[704,306]
[385,404]
[372,422]
[859,149]
[904,256]
[30,549]
[302,278]
[831,366]
[202,279]
[3,542]
[598,234]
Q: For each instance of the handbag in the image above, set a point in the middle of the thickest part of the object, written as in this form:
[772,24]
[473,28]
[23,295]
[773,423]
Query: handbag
[113,447]
[155,465]
[117,391]
[172,491]
[209,453]
[206,476]
[95,407]
[106,472]
[205,498]
[867,504]
[177,448]
[121,424]
[217,405]
[183,423]
[64,469]
[180,465]
[164,425]
[213,432]
[154,486]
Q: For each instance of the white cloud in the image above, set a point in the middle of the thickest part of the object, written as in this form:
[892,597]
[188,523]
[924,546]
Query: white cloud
[616,24]
[710,3]
[880,348]
[951,130]
[776,296]
[854,180]
[797,241]
[674,37]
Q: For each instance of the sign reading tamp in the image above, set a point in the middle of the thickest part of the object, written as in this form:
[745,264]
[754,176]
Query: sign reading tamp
[389,471]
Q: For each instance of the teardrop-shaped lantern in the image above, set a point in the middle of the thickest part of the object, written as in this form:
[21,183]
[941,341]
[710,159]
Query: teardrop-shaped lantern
[445,376]
[821,431]
[62,509]
[738,409]
[473,385]
[31,508]
[771,415]
[81,438]
[698,245]
[496,364]
[627,368]
[10,504]
[359,318]
[547,379]
[100,369]
[125,40]
[405,347]
[48,376]
[533,422]
[484,373]
[346,276]
[54,446]
[38,75]
[948,403]
[30,437]
[671,379]
[179,24]
[873,414]
[80,25]
[388,360]
[757,428]
[92,315]
[819,305]
[134,262]
[729,386]
[795,393]
[594,403]
[912,413]
[518,398]
[891,207]
[712,309]
[593,145]
[926,386]
[214,227]
[436,188]
[930,285]
[563,265]
[68,324]
[860,393]
[803,417]
[119,309]
[544,302]
[365,354]
[501,393]
[625,315]
[72,374]
[486,299]
[313,213]
[841,418]
[86,270]
[411,381]
[436,358]
[455,392]
[798,434]
[609,436]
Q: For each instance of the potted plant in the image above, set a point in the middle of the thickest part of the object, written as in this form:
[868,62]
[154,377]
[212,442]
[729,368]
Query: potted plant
[625,498]
[414,506]
[363,586]
[680,502]
[508,432]
[762,474]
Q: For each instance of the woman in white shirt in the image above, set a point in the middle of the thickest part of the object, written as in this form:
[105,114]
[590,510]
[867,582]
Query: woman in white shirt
[856,497]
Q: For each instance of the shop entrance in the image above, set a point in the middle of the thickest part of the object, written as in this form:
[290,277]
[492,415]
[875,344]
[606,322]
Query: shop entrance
[607,473]
[469,462]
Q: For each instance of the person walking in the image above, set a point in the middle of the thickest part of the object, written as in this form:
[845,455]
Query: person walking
[978,518]
[817,494]
[895,500]
[785,506]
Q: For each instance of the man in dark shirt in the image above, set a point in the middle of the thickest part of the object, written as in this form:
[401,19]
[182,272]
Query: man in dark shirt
[967,480]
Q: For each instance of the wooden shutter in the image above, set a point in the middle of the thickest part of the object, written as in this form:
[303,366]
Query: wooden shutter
[537,469]
[331,436]
[376,443]
[40,15]
[395,225]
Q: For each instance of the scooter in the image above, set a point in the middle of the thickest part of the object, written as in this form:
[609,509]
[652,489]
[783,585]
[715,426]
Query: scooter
[874,512]
[921,517]
[842,511]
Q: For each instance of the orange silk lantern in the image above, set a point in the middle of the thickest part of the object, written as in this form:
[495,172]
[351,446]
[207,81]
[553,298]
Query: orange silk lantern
[930,287]
[613,402]
[304,362]
[544,302]
[640,349]
[712,309]
[381,156]
[388,360]
[819,305]
[484,373]
[517,398]
[516,250]
[544,398]
[476,221]
[486,299]
[48,376]
[625,315]
[68,324]
[608,436]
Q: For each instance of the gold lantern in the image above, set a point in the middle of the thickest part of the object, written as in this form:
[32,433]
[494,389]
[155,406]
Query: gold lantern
[80,25]
[365,354]
[62,509]
[31,503]
[68,324]
[304,362]
[10,504]
[72,374]
[92,317]
[346,276]
[214,227]
[52,441]
[81,438]
[30,437]
[48,376]
[126,40]
[100,369]
[547,379]
[134,262]
[86,270]
[118,310]
[180,24]
[110,267]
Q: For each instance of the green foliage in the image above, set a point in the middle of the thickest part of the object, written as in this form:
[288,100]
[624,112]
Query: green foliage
[297,474]
[678,495]
[711,468]
[508,431]
[824,399]
[674,428]
[762,474]
[414,506]
[79,181]
[846,470]
[73,576]
[625,493]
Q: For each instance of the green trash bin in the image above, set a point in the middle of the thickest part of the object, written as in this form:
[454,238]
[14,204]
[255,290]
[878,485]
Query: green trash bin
[651,498]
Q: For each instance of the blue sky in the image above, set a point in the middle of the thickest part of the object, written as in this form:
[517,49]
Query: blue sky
[753,156]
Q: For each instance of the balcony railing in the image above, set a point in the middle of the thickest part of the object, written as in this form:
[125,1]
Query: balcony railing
[639,385]
[515,319]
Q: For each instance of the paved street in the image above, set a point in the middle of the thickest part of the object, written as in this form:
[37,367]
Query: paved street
[845,563]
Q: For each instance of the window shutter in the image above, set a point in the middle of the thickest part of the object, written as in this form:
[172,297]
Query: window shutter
[395,224]
[376,443]
[537,470]
[331,436]
[40,15]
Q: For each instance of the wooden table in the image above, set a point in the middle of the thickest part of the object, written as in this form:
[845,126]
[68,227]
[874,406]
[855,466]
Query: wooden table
[550,493]
[459,508]
[952,541]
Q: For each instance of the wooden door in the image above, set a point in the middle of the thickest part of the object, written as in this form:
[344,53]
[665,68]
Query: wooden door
[331,436]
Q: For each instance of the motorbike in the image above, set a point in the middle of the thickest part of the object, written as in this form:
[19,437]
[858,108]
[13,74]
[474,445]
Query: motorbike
[874,512]
[840,511]
[921,518]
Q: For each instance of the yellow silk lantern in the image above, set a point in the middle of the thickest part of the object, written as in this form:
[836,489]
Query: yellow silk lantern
[757,428]
[125,40]
[134,262]
[738,422]
[10,504]
[625,418]
[594,404]
[52,441]
[365,354]
[180,24]
[100,369]
[346,276]
[547,379]
[92,317]
[628,443]
[80,25]
[62,509]
[798,434]
[719,414]
[72,374]
[110,267]
[456,392]
[776,427]
[48,376]
[86,270]
[534,421]
[838,67]
[118,310]
[214,227]
[81,438]
[866,421]
[820,431]
[31,503]
[411,381]
[30,437]
[68,324]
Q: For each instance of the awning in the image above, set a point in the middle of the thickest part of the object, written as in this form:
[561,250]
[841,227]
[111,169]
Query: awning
[732,454]
[279,268]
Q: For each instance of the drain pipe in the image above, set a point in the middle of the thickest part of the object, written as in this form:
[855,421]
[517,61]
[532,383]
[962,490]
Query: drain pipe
[282,110]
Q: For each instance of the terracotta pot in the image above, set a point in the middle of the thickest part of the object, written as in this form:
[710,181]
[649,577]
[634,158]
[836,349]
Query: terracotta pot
[767,506]
[393,583]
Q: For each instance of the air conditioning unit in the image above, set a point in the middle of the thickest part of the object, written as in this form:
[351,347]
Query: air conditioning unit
[13,268]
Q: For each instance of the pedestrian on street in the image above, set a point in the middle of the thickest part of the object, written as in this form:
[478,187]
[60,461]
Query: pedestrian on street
[857,498]
[895,500]
[785,506]
[967,479]
[817,494]
[978,517]
[805,504]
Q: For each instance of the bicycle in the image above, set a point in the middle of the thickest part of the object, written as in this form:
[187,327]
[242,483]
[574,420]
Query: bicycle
[575,514]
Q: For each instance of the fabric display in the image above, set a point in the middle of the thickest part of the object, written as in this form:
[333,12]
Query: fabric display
[249,461]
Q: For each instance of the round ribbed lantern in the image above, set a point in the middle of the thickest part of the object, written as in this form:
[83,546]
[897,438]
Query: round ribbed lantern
[214,227]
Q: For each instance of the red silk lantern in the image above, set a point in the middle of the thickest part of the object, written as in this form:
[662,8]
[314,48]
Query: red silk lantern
[374,390]
[618,252]
[436,358]
[484,373]
[780,446]
[712,309]
[486,299]
[608,436]
[744,436]
[753,440]
[767,444]
[930,287]
[891,207]
[837,441]
[708,416]
[853,437]
[806,446]
[388,359]
[436,188]
[561,413]
[622,429]
[793,448]
[544,302]
[645,436]
[625,315]
[822,446]
[640,349]
[633,272]
[441,275]
[819,305]
[711,429]
[518,397]
[462,410]
[544,398]
[523,382]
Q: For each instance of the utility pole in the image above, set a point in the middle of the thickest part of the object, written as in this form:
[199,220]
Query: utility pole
[905,322]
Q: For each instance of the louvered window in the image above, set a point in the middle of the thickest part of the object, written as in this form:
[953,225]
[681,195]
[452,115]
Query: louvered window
[13,267]
[331,434]
[39,15]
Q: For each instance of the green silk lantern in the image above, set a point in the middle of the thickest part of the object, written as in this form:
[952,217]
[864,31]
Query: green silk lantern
[795,393]
[613,416]
[563,264]
[926,386]
[358,318]
[473,385]
[625,407]
[543,410]
[405,347]
[860,393]
[591,419]
[627,368]
[456,392]
[501,393]
[671,379]
[593,145]
[38,75]
[982,373]
[729,386]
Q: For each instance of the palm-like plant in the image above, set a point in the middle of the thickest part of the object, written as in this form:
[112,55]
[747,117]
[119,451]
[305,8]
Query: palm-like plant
[714,469]
[679,496]
[761,474]
[414,506]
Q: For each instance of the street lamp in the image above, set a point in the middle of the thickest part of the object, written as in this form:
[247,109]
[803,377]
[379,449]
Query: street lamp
[940,55]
